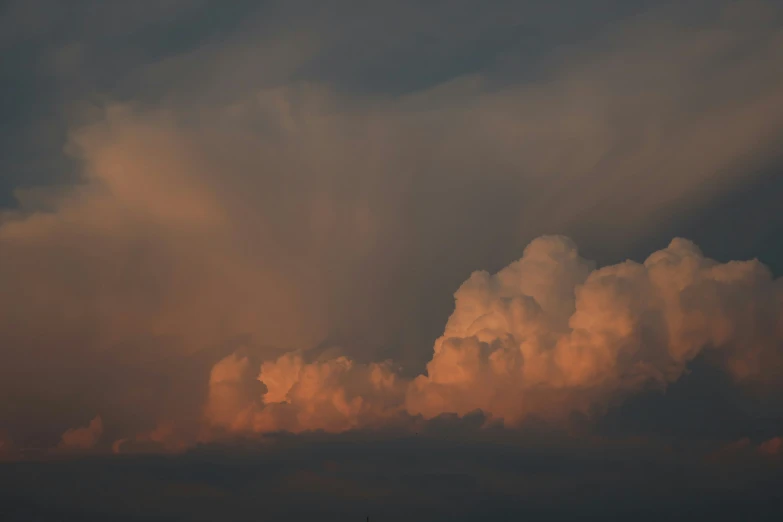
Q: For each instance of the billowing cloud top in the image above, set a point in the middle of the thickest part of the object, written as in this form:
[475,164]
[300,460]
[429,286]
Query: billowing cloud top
[549,335]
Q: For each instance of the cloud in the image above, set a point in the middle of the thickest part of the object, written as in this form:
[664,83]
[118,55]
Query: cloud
[290,214]
[333,395]
[548,336]
[139,270]
[83,438]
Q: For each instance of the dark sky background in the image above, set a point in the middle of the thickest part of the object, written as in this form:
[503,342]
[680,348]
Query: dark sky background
[192,188]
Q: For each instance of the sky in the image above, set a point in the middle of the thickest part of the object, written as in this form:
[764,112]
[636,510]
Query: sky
[422,260]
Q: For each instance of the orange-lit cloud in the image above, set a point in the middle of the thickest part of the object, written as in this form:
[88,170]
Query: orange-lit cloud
[332,395]
[549,335]
[83,438]
[281,217]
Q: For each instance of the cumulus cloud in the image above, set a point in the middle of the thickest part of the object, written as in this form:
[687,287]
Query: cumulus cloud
[166,437]
[332,395]
[83,438]
[6,447]
[772,447]
[549,335]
